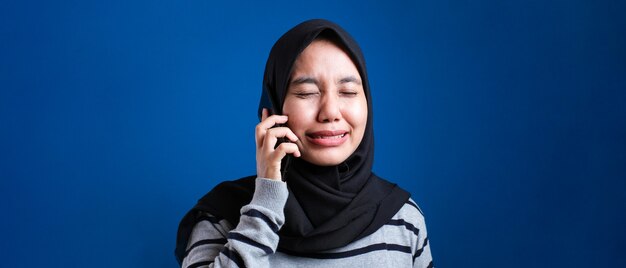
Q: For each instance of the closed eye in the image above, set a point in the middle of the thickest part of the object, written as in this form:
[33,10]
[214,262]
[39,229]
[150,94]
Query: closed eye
[349,93]
[304,95]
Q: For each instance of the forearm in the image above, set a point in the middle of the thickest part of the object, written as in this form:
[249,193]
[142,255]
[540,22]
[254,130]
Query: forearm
[214,244]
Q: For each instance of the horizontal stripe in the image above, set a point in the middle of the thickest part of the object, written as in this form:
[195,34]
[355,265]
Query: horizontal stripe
[220,241]
[419,251]
[233,256]
[258,214]
[198,264]
[242,238]
[354,252]
[430,264]
[408,226]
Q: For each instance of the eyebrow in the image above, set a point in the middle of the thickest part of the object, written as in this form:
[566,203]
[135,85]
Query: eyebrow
[311,80]
[304,80]
[350,79]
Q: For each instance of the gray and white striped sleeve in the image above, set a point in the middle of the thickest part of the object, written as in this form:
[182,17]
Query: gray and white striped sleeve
[422,257]
[214,243]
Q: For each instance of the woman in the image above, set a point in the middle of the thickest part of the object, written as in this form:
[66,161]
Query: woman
[314,201]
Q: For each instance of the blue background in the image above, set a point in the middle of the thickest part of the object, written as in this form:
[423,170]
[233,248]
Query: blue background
[506,120]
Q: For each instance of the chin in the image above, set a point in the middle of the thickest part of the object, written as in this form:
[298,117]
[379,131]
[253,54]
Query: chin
[325,160]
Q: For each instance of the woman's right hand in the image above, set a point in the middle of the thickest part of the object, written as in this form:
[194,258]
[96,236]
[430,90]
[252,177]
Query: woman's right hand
[268,159]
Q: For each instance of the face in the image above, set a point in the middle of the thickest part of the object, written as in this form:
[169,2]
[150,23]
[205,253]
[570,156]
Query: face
[326,104]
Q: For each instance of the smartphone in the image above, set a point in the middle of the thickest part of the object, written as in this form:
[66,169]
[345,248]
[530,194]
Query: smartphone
[266,102]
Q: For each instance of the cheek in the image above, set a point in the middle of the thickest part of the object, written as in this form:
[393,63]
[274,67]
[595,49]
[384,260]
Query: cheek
[299,116]
[358,115]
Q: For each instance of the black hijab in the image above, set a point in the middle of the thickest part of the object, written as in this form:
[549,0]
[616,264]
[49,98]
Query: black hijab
[327,207]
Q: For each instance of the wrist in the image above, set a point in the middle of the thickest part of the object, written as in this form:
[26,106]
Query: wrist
[270,193]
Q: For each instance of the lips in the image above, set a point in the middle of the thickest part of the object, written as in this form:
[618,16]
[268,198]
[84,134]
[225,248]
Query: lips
[328,138]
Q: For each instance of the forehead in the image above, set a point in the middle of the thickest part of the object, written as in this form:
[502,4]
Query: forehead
[324,56]
[320,46]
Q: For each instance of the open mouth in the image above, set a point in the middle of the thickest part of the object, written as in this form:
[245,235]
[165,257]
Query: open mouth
[328,138]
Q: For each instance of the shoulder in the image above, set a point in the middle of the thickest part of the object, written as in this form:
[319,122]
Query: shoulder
[411,207]
[411,215]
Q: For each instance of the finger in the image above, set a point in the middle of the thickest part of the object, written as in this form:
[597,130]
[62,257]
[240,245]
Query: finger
[264,115]
[282,132]
[263,126]
[273,134]
[282,150]
[272,120]
[298,143]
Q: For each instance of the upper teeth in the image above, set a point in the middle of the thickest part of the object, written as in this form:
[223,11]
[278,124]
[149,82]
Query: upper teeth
[330,137]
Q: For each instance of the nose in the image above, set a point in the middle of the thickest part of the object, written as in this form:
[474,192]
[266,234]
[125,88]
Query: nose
[329,110]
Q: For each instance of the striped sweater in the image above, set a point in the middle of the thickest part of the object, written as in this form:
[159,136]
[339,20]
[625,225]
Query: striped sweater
[402,242]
